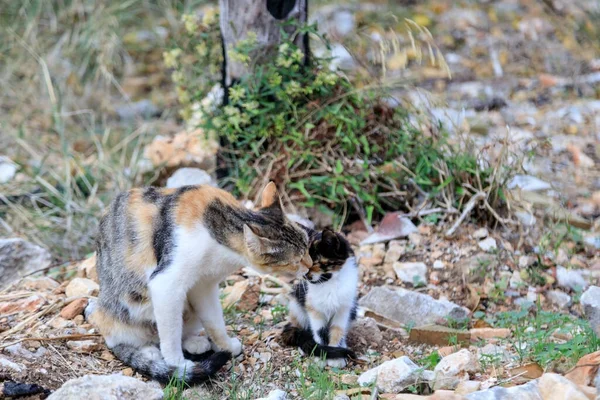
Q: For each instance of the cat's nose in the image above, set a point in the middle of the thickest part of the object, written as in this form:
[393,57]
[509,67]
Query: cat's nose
[302,271]
[306,261]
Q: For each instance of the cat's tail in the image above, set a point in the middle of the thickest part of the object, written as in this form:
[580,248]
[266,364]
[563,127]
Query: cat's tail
[149,361]
[303,338]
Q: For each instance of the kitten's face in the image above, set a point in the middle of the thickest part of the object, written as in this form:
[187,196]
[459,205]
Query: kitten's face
[329,251]
[275,245]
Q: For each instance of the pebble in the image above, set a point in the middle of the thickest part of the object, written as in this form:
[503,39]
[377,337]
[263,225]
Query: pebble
[455,368]
[189,176]
[571,278]
[481,233]
[108,387]
[392,376]
[559,298]
[74,308]
[83,346]
[8,169]
[488,245]
[411,272]
[82,287]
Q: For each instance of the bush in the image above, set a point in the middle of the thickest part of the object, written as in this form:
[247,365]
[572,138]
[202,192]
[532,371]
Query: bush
[309,129]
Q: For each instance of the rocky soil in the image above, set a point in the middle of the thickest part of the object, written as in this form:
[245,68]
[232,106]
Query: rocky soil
[493,311]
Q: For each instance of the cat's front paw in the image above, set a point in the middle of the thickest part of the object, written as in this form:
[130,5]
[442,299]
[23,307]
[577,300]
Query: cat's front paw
[196,344]
[234,346]
[337,362]
[184,368]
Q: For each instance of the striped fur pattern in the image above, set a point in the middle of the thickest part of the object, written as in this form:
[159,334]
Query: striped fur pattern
[161,254]
[323,306]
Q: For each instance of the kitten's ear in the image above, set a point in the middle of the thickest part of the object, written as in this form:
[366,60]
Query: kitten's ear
[252,239]
[329,240]
[269,198]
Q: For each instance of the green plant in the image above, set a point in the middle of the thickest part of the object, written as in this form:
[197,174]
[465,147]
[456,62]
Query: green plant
[279,312]
[533,336]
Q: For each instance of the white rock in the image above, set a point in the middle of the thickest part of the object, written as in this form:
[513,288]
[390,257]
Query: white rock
[19,257]
[466,387]
[406,306]
[276,394]
[454,368]
[557,387]
[526,218]
[488,244]
[438,264]
[516,282]
[7,364]
[528,183]
[411,272]
[571,278]
[593,241]
[392,376]
[8,169]
[189,176]
[528,391]
[82,287]
[341,58]
[590,301]
[559,298]
[107,387]
[481,233]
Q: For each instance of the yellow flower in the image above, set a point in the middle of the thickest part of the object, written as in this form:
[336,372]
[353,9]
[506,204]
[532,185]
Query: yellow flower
[275,79]
[236,93]
[284,62]
[283,48]
[183,96]
[239,57]
[177,76]
[170,57]
[190,23]
[293,88]
[298,55]
[231,111]
[251,105]
[201,49]
[185,113]
[210,16]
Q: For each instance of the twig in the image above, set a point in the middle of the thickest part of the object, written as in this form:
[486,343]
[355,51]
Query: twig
[46,339]
[468,208]
[21,325]
[430,211]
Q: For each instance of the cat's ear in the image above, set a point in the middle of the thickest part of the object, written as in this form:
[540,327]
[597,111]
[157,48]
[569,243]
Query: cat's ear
[269,198]
[255,242]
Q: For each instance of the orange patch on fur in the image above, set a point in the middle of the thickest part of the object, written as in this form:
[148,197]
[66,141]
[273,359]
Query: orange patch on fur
[140,256]
[192,204]
[104,322]
[336,334]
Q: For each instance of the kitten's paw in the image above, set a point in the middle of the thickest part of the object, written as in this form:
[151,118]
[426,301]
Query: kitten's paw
[196,344]
[184,367]
[337,362]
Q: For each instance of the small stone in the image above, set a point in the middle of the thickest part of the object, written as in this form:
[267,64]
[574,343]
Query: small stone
[528,391]
[516,281]
[82,287]
[83,346]
[488,245]
[528,183]
[276,394]
[415,239]
[127,372]
[393,254]
[392,226]
[586,370]
[481,233]
[489,333]
[8,169]
[19,351]
[7,364]
[348,379]
[558,298]
[438,264]
[466,387]
[107,356]
[590,301]
[107,387]
[408,307]
[79,319]
[455,368]
[526,218]
[61,323]
[437,335]
[189,176]
[379,251]
[143,108]
[494,352]
[364,328]
[87,269]
[19,257]
[74,308]
[29,304]
[392,376]
[571,278]
[411,272]
[557,387]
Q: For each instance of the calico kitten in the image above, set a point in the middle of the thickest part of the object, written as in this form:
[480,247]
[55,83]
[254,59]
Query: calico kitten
[161,254]
[323,305]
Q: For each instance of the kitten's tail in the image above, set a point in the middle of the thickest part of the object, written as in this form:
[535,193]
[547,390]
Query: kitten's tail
[148,364]
[302,338]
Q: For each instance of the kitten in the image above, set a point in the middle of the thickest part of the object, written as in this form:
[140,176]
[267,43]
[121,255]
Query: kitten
[161,254]
[322,307]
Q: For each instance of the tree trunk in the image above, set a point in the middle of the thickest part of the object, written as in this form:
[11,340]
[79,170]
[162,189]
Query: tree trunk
[264,18]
